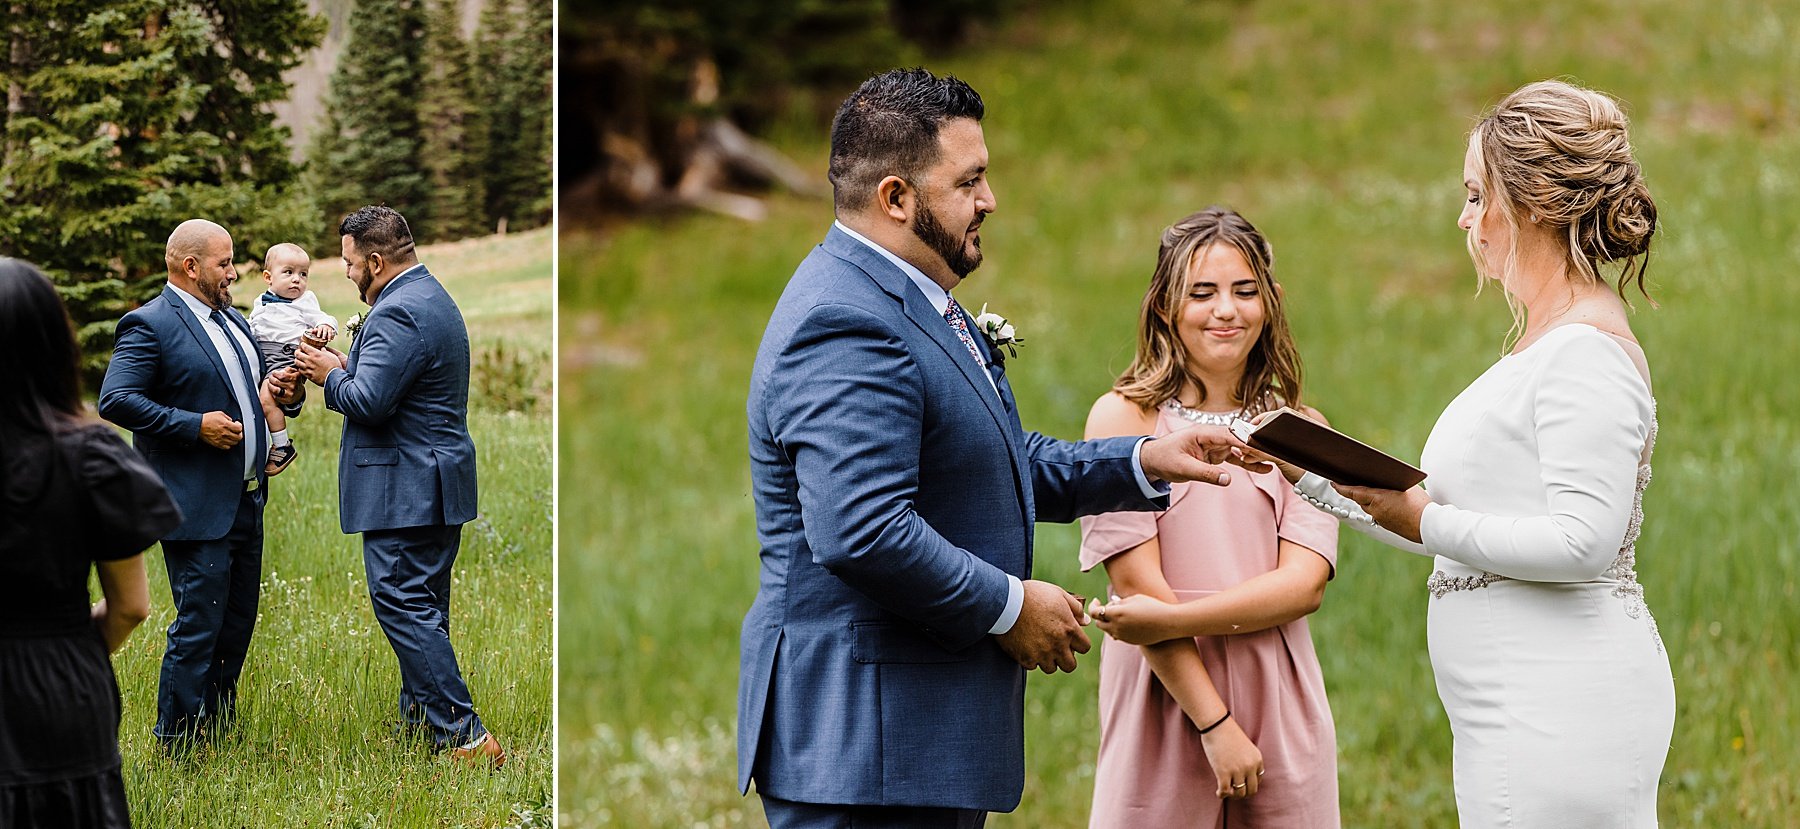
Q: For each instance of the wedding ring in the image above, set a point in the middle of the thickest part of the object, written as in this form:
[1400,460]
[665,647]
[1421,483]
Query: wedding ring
[1100,613]
[1237,785]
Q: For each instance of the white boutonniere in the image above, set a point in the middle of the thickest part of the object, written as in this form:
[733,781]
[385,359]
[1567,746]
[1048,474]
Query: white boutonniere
[353,325]
[999,332]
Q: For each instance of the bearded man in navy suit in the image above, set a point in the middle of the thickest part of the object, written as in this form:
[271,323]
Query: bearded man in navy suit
[183,379]
[882,680]
[406,467]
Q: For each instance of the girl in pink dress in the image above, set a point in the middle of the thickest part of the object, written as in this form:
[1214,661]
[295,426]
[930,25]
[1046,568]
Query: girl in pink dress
[1213,710]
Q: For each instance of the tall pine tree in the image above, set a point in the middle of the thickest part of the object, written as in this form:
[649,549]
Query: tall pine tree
[368,149]
[498,102]
[533,51]
[514,47]
[125,117]
[454,140]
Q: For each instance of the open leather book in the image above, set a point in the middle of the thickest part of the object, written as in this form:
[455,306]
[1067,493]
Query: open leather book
[1326,452]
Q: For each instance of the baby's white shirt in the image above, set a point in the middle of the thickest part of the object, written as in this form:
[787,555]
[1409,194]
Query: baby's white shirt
[284,322]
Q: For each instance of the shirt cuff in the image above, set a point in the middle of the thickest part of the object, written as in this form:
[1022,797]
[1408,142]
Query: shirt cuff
[1152,491]
[1015,602]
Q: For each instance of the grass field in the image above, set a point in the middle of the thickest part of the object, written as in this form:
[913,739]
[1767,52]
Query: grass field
[1339,130]
[313,746]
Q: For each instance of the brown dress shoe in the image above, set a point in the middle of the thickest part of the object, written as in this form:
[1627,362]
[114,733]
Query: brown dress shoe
[485,753]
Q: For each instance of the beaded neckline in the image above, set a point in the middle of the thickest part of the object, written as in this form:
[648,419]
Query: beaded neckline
[1203,418]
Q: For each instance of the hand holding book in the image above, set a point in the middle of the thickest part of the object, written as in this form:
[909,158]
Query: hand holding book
[1292,439]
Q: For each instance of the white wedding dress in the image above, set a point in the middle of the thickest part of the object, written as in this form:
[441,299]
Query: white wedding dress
[1547,659]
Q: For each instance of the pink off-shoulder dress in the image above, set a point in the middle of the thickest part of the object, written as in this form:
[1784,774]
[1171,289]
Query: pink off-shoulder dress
[1152,770]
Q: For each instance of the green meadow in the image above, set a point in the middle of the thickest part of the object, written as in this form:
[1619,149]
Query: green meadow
[313,746]
[1339,130]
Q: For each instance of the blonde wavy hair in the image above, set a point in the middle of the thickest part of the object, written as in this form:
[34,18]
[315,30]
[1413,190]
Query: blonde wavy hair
[1272,375]
[1562,154]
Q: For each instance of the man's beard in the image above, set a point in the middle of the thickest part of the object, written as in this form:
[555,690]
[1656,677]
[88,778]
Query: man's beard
[363,279]
[948,245]
[218,295]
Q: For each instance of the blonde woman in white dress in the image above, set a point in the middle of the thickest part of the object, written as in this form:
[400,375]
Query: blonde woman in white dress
[1546,656]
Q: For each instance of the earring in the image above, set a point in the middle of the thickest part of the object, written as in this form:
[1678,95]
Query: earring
[1534,218]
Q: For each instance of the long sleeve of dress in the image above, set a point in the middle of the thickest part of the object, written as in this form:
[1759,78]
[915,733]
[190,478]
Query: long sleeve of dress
[1590,415]
[1319,491]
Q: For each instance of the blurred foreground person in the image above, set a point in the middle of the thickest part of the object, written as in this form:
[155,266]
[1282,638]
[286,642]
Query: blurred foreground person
[73,498]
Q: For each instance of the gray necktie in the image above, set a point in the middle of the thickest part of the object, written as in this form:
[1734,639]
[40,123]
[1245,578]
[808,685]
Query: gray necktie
[249,419]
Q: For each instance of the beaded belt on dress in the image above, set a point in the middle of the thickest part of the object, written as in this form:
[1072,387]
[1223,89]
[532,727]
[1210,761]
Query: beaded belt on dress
[1442,583]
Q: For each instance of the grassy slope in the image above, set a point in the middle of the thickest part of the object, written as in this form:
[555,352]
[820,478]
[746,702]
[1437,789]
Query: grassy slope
[313,747]
[1339,131]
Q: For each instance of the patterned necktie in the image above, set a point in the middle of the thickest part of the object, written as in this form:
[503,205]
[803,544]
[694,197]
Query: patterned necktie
[953,315]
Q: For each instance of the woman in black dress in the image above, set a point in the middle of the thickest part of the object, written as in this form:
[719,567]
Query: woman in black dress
[73,496]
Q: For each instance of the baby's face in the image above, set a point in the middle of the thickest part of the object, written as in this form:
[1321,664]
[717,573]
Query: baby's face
[286,274]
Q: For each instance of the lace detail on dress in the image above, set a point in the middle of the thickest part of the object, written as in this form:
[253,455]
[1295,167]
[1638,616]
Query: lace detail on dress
[1624,567]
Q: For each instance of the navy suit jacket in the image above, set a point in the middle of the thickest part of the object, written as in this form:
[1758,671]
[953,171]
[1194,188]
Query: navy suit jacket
[164,376]
[895,491]
[406,459]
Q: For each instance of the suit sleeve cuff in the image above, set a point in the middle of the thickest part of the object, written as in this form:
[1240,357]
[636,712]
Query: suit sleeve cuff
[191,426]
[1015,601]
[1151,491]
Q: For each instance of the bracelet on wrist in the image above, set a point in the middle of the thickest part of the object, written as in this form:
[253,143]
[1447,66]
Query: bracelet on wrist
[1218,722]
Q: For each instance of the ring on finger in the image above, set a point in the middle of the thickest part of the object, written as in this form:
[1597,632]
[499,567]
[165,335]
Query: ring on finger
[1237,785]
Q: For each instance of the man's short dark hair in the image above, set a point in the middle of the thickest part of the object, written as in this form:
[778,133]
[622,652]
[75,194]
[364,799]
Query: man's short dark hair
[379,229]
[889,127]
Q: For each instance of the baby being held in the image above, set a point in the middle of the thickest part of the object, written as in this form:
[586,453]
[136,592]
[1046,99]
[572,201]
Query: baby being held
[279,318]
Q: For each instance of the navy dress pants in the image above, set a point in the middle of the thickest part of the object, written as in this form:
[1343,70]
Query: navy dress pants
[409,586]
[216,585]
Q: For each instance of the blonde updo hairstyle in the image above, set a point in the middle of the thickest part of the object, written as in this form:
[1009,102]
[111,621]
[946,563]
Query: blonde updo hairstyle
[1562,153]
[1159,368]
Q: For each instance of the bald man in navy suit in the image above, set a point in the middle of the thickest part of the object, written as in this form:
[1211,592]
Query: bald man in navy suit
[183,379]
